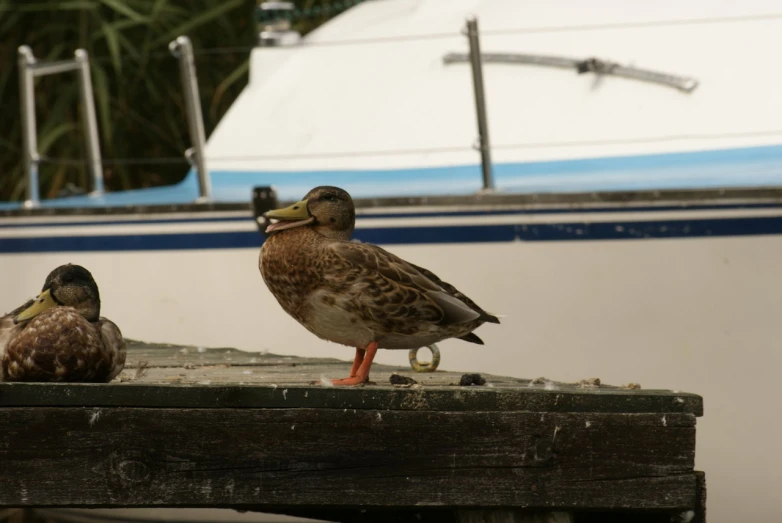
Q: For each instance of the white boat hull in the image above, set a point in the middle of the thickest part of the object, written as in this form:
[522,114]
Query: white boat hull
[693,313]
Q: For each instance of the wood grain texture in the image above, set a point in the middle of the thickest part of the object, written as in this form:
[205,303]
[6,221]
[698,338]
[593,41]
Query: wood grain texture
[511,516]
[191,377]
[700,502]
[344,458]
[440,515]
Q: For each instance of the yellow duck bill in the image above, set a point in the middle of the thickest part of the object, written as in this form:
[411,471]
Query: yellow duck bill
[292,216]
[42,302]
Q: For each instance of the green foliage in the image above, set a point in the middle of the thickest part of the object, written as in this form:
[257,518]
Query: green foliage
[138,94]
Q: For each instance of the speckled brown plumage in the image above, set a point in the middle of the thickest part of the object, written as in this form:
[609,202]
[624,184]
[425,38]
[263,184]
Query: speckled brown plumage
[60,345]
[8,330]
[355,293]
[63,342]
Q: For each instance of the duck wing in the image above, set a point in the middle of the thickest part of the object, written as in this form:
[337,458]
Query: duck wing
[382,280]
[453,291]
[114,347]
[7,325]
[6,332]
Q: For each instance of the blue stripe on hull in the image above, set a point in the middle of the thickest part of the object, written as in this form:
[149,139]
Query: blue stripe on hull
[755,166]
[153,221]
[575,231]
[686,206]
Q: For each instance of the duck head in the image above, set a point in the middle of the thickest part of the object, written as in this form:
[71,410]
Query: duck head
[67,285]
[328,210]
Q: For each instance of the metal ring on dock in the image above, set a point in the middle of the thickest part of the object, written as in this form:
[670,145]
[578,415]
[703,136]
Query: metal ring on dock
[430,366]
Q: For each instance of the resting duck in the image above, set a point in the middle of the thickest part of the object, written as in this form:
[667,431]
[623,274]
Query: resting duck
[357,294]
[60,335]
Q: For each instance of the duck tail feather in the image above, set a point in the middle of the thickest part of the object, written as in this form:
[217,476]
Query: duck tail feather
[472,338]
[492,318]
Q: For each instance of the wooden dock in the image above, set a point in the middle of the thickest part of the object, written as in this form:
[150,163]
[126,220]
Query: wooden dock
[222,428]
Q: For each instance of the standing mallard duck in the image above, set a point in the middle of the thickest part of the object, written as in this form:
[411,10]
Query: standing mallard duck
[60,335]
[357,294]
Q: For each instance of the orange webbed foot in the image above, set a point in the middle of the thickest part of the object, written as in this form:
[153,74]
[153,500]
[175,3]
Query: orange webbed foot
[353,380]
[359,374]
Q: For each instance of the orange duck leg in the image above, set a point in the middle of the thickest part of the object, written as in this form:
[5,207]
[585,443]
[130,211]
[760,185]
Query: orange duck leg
[359,373]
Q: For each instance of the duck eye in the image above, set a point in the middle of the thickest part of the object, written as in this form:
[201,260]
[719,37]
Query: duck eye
[329,197]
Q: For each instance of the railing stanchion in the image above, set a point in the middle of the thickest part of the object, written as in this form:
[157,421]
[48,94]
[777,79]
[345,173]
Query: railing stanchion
[29,135]
[480,103]
[29,69]
[182,48]
[94,160]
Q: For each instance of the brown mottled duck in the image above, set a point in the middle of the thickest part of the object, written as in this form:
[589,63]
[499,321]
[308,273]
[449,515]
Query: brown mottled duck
[353,293]
[60,335]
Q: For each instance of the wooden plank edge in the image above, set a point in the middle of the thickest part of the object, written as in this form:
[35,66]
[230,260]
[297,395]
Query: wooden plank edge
[455,398]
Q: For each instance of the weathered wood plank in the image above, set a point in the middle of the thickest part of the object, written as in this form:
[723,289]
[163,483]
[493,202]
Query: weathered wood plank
[372,397]
[173,376]
[343,458]
[512,516]
[419,515]
[700,502]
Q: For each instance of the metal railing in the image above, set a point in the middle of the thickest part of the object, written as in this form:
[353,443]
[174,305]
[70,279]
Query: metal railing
[588,65]
[29,70]
[480,103]
[182,49]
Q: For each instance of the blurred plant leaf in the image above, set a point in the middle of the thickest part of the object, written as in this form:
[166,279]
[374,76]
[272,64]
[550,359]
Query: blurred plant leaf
[27,7]
[136,83]
[239,73]
[112,40]
[210,15]
[101,91]
[122,7]
[47,140]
